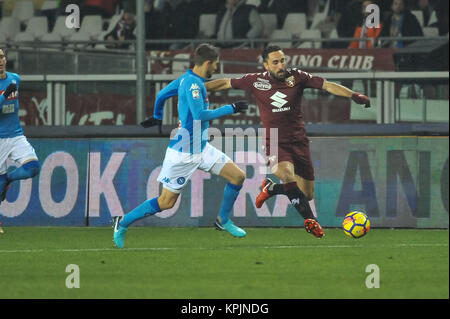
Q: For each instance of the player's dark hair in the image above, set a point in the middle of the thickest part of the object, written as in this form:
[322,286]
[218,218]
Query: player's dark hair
[205,52]
[268,50]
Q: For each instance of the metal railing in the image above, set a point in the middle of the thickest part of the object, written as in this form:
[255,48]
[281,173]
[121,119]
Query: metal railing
[295,41]
[385,102]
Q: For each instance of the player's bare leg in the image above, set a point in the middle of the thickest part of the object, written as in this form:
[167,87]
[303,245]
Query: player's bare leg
[167,199]
[235,177]
[233,174]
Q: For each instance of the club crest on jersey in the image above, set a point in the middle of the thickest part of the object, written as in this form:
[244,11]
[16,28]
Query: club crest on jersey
[290,81]
[262,86]
[196,94]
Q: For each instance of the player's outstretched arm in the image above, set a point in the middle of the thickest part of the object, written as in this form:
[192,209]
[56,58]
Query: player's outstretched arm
[170,90]
[218,85]
[341,90]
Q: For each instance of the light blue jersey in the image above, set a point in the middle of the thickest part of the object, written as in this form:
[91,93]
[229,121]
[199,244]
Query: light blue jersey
[9,108]
[193,112]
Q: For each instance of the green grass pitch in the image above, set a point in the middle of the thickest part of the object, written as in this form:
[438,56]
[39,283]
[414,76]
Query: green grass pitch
[270,263]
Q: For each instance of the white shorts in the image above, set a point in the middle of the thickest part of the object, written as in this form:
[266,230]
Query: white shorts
[17,149]
[178,167]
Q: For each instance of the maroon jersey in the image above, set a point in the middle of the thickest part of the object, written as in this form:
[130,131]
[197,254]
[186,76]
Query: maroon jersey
[279,102]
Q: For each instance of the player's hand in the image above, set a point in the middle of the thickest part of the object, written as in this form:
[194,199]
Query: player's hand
[151,121]
[240,106]
[361,99]
[10,89]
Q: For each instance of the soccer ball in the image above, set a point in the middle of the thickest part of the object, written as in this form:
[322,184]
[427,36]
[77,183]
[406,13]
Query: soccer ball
[356,224]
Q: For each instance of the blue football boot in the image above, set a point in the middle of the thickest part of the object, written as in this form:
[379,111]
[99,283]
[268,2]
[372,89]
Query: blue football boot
[119,232]
[230,227]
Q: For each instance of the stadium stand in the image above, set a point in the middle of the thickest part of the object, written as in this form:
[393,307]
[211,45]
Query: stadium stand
[281,34]
[91,25]
[310,34]
[206,25]
[23,11]
[270,23]
[61,30]
[27,17]
[37,27]
[9,27]
[49,5]
[295,23]
[111,24]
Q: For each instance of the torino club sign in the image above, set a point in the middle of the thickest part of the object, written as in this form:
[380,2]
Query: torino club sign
[380,59]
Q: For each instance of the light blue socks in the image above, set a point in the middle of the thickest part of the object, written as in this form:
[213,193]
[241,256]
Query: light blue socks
[27,170]
[230,194]
[147,208]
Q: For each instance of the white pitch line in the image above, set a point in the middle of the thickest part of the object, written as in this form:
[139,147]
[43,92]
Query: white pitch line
[215,248]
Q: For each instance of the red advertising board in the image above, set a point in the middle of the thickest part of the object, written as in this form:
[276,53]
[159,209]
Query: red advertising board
[331,59]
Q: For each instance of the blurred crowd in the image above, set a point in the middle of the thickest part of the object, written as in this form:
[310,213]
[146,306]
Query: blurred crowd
[241,19]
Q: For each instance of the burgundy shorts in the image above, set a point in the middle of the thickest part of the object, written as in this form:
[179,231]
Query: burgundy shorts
[298,154]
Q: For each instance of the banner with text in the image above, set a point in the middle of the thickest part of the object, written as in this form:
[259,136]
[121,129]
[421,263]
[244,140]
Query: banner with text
[397,181]
[332,59]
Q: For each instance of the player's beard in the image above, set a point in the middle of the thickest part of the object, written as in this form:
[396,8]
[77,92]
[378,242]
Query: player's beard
[280,76]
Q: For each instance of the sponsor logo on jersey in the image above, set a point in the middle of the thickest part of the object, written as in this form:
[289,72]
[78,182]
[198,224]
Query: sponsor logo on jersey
[194,86]
[8,108]
[278,101]
[196,94]
[290,81]
[262,86]
[12,96]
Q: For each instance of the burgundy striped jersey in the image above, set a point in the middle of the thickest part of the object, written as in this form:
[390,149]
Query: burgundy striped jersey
[279,102]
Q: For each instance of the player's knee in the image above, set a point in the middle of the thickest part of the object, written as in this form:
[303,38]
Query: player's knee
[285,173]
[286,176]
[309,196]
[239,178]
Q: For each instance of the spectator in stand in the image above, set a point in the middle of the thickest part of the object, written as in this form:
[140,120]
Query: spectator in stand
[154,26]
[327,25]
[105,8]
[442,17]
[182,20]
[210,6]
[281,8]
[350,17]
[124,30]
[237,20]
[427,9]
[362,31]
[401,23]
